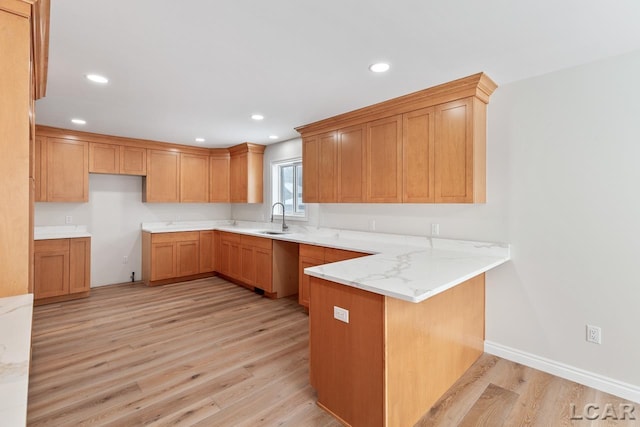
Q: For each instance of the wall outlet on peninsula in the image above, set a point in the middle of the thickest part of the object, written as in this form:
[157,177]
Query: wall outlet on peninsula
[594,334]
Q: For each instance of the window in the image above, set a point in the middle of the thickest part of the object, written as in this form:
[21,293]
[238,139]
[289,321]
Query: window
[287,187]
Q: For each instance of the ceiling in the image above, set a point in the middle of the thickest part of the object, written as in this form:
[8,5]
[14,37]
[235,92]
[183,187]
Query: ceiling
[200,68]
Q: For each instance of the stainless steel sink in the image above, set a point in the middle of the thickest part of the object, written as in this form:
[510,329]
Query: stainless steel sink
[272,232]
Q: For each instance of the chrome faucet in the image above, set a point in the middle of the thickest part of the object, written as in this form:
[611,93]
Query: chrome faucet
[285,227]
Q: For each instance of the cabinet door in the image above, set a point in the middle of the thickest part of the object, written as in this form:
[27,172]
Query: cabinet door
[67,170]
[194,178]
[162,183]
[303,279]
[207,251]
[51,268]
[163,261]
[188,257]
[418,156]
[335,255]
[327,168]
[310,171]
[384,160]
[224,257]
[263,269]
[454,152]
[219,166]
[39,172]
[235,266]
[239,183]
[79,265]
[104,158]
[133,161]
[248,265]
[351,173]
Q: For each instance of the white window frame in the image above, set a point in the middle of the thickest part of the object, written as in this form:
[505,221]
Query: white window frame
[276,196]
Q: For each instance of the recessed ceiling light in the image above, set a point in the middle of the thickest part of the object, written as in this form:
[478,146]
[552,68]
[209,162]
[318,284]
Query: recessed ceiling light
[257,116]
[97,78]
[273,136]
[379,67]
[79,121]
[199,139]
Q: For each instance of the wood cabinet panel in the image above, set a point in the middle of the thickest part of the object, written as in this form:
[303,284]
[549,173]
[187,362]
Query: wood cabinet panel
[162,183]
[207,251]
[164,259]
[67,170]
[194,178]
[335,255]
[239,184]
[51,268]
[104,158]
[383,166]
[303,279]
[263,261]
[248,265]
[188,257]
[79,264]
[418,156]
[347,359]
[310,171]
[40,171]
[327,165]
[235,260]
[133,161]
[454,152]
[219,170]
[351,168]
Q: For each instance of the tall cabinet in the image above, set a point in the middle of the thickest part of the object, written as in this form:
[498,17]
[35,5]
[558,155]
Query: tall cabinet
[23,36]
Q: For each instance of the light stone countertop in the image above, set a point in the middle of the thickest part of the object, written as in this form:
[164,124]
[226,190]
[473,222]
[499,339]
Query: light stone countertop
[15,350]
[411,268]
[60,232]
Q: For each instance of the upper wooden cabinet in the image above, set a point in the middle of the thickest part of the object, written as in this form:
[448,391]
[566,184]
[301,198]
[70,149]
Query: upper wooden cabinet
[194,178]
[133,160]
[64,170]
[246,173]
[219,169]
[425,147]
[162,183]
[383,163]
[104,158]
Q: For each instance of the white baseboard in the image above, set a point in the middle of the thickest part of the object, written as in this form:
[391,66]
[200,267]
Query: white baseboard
[618,388]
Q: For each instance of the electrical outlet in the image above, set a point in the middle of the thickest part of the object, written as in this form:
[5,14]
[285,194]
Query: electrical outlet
[68,219]
[341,314]
[594,334]
[435,229]
[125,260]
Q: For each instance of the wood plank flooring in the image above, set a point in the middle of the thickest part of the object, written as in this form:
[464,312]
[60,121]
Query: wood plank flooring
[210,353]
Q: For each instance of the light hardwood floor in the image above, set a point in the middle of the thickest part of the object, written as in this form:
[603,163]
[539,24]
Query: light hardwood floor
[210,353]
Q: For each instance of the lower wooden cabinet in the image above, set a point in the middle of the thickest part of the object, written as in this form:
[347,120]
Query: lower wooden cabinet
[62,269]
[310,256]
[168,256]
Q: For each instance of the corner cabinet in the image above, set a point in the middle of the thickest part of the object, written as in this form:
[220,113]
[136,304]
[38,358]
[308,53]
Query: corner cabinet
[61,269]
[425,147]
[246,173]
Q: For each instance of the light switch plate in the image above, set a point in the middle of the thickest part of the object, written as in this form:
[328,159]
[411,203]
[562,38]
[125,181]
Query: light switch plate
[341,314]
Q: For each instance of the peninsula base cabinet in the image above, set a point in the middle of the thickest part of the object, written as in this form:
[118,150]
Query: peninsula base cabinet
[311,256]
[61,269]
[393,359]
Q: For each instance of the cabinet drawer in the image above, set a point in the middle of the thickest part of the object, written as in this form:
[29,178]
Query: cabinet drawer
[229,237]
[53,245]
[181,236]
[257,242]
[311,251]
[335,255]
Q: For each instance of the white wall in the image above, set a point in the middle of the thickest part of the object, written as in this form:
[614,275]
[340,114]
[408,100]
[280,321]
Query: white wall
[113,215]
[563,176]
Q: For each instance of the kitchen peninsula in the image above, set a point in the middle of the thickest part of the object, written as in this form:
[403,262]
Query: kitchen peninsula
[389,332]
